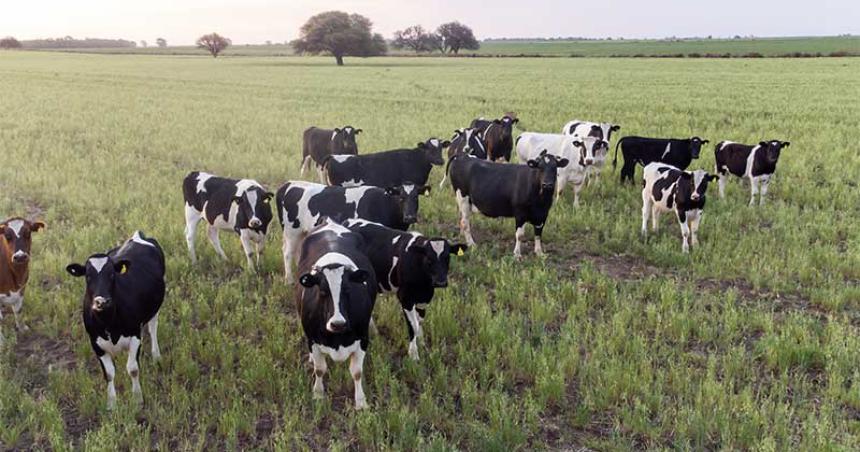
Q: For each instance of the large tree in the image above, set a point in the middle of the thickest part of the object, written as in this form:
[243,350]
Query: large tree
[161,42]
[214,43]
[416,38]
[339,34]
[457,36]
[10,43]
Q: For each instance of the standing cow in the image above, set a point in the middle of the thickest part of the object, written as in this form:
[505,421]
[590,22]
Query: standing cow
[498,136]
[317,144]
[579,151]
[601,130]
[410,264]
[335,302]
[15,242]
[465,141]
[124,290]
[524,192]
[675,152]
[757,163]
[669,189]
[242,206]
[386,169]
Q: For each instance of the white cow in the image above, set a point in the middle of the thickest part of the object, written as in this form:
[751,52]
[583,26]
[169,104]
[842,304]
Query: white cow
[579,151]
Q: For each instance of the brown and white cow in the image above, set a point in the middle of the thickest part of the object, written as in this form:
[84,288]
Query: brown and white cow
[15,240]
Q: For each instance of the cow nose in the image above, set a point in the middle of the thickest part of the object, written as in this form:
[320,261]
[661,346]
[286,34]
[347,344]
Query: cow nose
[589,161]
[255,222]
[100,302]
[694,197]
[411,218]
[336,325]
[20,258]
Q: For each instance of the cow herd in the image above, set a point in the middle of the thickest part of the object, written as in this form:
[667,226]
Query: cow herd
[347,239]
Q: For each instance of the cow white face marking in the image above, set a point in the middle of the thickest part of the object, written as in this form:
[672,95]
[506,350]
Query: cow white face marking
[16,226]
[98,263]
[341,158]
[408,189]
[434,142]
[334,276]
[438,246]
[252,200]
[666,152]
[245,184]
[201,181]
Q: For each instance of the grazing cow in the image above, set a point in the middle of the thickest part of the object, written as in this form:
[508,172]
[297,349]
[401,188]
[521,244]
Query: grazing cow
[675,152]
[242,206]
[124,291]
[602,131]
[465,141]
[410,264]
[580,151]
[498,136]
[666,189]
[335,301]
[758,163]
[15,241]
[386,169]
[317,144]
[301,205]
[524,192]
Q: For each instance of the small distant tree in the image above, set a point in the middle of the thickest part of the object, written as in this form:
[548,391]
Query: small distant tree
[457,36]
[143,44]
[161,42]
[268,42]
[339,34]
[414,38]
[213,43]
[10,43]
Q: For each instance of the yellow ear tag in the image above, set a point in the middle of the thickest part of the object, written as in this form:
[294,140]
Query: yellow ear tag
[123,270]
[460,252]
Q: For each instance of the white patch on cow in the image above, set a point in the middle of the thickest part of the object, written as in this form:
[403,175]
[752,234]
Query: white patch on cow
[412,240]
[340,158]
[98,263]
[112,348]
[341,353]
[750,160]
[395,239]
[334,276]
[408,189]
[12,298]
[243,185]
[353,183]
[201,181]
[434,142]
[354,195]
[438,246]
[15,226]
[332,226]
[334,135]
[394,260]
[666,152]
[226,223]
[136,238]
[335,258]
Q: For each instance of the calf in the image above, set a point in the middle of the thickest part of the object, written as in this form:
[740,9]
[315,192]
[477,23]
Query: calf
[578,150]
[524,192]
[317,144]
[758,163]
[335,301]
[124,291]
[242,206]
[301,205]
[666,188]
[498,136]
[15,242]
[386,169]
[410,264]
[602,131]
[675,152]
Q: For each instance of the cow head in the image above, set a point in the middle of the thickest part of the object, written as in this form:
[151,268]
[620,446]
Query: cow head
[430,258]
[255,208]
[407,198]
[694,185]
[432,149]
[470,141]
[343,140]
[101,273]
[17,234]
[507,125]
[696,144]
[548,166]
[772,149]
[336,284]
[588,148]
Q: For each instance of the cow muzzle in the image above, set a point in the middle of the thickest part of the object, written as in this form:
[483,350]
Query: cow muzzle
[255,222]
[20,257]
[336,324]
[589,161]
[410,219]
[695,197]
[100,303]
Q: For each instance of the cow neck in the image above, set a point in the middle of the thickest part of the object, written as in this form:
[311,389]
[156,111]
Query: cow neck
[12,277]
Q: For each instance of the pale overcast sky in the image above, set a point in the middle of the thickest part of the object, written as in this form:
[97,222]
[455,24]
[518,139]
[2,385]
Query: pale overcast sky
[255,21]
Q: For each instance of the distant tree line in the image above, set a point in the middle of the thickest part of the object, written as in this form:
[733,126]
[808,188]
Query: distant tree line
[448,38]
[69,42]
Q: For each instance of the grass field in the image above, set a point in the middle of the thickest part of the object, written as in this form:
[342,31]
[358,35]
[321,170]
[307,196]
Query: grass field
[611,343]
[767,47]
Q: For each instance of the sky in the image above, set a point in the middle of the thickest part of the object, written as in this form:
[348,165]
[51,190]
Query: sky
[256,21]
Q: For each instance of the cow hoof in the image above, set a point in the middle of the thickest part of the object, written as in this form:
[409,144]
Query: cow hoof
[319,395]
[360,404]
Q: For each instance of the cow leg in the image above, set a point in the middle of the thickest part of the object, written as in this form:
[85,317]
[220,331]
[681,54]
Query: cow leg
[212,233]
[414,328]
[109,373]
[538,246]
[646,209]
[695,221]
[133,368]
[753,189]
[685,236]
[356,368]
[576,189]
[520,236]
[292,239]
[444,178]
[305,163]
[321,174]
[16,308]
[248,247]
[152,327]
[559,186]
[320,368]
[192,217]
[722,185]
[765,180]
[372,327]
[655,217]
[465,209]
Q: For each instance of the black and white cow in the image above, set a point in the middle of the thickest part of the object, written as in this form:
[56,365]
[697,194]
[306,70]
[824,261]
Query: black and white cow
[410,264]
[524,192]
[498,136]
[669,189]
[301,205]
[676,152]
[242,206]
[600,130]
[317,144]
[335,297]
[465,141]
[386,169]
[124,291]
[579,151]
[757,163]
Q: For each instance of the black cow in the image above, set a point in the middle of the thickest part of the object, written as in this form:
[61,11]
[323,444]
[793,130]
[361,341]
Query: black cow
[676,152]
[386,169]
[524,192]
[317,144]
[758,163]
[498,136]
[410,264]
[335,301]
[242,206]
[669,189]
[465,141]
[124,291]
[301,205]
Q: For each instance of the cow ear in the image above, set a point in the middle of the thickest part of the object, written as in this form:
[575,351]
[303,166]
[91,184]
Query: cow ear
[562,163]
[445,144]
[121,266]
[686,175]
[309,280]
[496,121]
[515,120]
[36,226]
[577,143]
[420,145]
[459,249]
[713,177]
[786,144]
[762,143]
[359,276]
[706,141]
[358,131]
[76,270]
[533,163]
[237,199]
[424,190]
[337,130]
[268,197]
[615,128]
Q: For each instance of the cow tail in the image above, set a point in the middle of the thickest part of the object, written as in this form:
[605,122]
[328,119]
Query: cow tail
[615,159]
[326,166]
[279,202]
